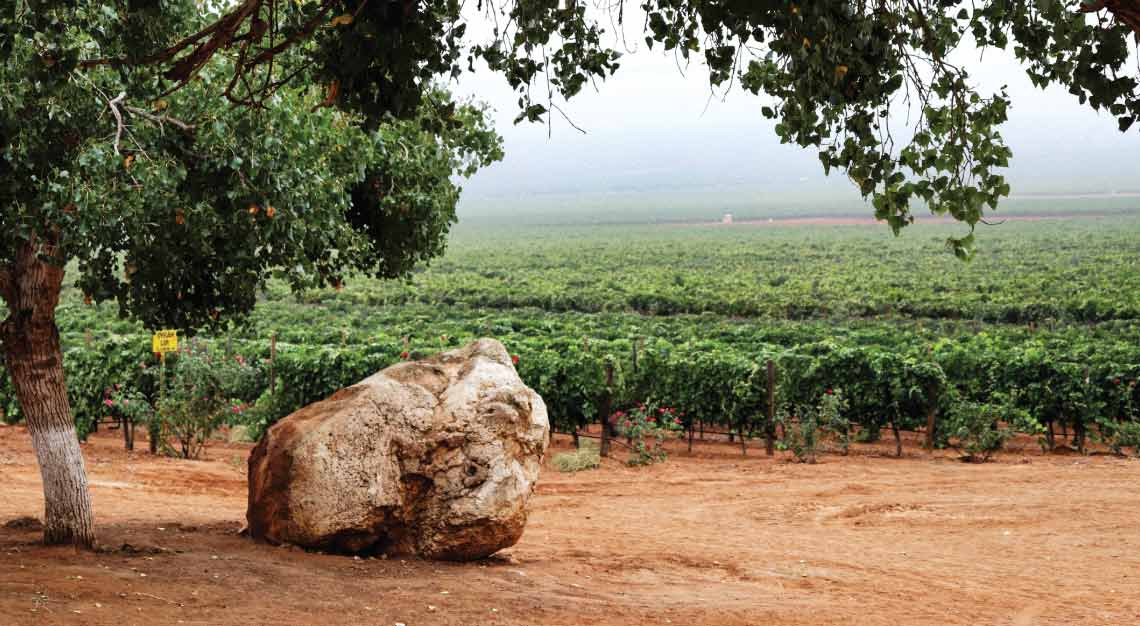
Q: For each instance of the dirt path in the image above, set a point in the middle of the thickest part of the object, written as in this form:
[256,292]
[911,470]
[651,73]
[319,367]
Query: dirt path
[711,539]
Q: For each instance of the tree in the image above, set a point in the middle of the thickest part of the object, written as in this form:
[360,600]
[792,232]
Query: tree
[842,78]
[180,207]
[840,74]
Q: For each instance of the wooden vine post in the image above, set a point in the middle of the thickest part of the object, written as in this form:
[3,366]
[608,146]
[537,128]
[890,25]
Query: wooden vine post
[162,342]
[272,362]
[930,415]
[605,408]
[740,431]
[154,429]
[931,411]
[628,437]
[770,427]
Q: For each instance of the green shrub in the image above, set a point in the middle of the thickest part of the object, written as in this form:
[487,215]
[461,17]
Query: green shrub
[832,418]
[265,412]
[1119,435]
[983,428]
[132,408]
[586,457]
[803,432]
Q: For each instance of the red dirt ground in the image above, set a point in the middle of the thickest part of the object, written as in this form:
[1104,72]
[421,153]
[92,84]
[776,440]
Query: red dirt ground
[710,538]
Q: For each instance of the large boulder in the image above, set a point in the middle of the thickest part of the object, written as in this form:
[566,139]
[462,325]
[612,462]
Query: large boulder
[435,458]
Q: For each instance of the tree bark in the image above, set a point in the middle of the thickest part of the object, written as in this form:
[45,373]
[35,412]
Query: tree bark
[35,361]
[1079,435]
[605,407]
[930,423]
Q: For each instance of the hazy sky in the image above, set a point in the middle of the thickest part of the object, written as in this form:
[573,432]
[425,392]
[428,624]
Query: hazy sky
[652,128]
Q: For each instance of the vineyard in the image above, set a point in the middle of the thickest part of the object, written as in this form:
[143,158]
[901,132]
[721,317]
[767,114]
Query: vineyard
[1038,334]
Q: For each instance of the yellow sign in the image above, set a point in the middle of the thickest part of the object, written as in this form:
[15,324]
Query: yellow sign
[165,341]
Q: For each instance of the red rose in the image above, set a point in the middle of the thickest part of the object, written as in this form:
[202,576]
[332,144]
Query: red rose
[515,359]
[1116,381]
[404,354]
[829,392]
[651,420]
[627,424]
[677,421]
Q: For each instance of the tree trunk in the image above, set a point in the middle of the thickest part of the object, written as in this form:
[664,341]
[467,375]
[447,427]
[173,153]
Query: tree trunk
[128,434]
[605,407]
[930,415]
[31,288]
[898,439]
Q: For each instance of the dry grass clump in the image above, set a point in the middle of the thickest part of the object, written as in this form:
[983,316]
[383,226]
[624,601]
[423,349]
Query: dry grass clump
[584,458]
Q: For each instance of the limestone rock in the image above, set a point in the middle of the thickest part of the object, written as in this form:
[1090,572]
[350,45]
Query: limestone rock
[435,458]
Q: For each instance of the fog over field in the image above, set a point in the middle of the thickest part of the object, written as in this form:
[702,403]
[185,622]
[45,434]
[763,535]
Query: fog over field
[657,147]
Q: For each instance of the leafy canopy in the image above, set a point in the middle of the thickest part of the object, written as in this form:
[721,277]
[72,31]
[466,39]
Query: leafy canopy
[179,205]
[841,77]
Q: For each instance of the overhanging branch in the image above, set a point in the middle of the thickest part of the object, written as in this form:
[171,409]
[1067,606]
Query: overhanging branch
[1126,11]
[161,119]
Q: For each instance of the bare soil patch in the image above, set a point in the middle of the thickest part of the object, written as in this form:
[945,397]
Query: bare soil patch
[708,538]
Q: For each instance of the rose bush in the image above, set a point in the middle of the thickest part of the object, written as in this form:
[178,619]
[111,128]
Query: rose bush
[647,428]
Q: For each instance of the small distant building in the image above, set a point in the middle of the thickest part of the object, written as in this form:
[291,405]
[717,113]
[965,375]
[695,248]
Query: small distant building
[727,219]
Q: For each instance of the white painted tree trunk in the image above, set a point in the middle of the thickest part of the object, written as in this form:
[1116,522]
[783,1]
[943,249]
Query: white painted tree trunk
[34,359]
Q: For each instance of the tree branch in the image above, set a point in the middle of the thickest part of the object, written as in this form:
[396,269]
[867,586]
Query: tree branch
[188,56]
[1126,11]
[114,105]
[161,119]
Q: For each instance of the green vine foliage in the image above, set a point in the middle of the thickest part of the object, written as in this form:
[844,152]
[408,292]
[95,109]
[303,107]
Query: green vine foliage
[879,378]
[983,428]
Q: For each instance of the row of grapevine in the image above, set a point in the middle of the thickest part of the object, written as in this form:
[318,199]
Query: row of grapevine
[1057,379]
